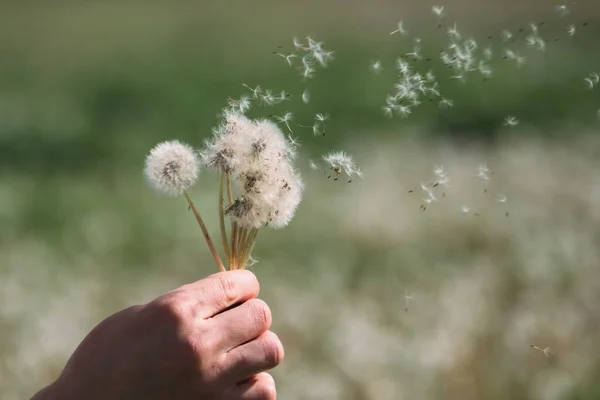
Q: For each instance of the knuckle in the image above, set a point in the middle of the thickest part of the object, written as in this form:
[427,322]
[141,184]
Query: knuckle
[260,314]
[173,306]
[273,351]
[228,287]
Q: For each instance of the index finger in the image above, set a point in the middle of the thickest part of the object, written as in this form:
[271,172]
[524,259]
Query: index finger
[222,290]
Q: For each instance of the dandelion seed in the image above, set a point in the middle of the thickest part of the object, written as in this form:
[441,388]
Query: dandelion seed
[321,117]
[445,103]
[305,96]
[340,162]
[403,111]
[591,81]
[313,165]
[308,73]
[430,195]
[487,53]
[316,128]
[546,350]
[437,10]
[441,178]
[172,167]
[483,172]
[571,30]
[285,119]
[408,297]
[400,29]
[255,91]
[298,44]
[502,198]
[288,57]
[506,35]
[267,98]
[376,66]
[389,111]
[293,141]
[511,121]
[465,209]
[251,262]
[453,32]
[240,105]
[562,10]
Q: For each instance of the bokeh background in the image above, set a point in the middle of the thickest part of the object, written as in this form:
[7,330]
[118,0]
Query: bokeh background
[88,87]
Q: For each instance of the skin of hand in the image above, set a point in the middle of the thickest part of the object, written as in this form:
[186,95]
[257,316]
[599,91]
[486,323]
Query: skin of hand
[206,340]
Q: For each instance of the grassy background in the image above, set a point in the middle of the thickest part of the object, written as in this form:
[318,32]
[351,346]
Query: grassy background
[87,88]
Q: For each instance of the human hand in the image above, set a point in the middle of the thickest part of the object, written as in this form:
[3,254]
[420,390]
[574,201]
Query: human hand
[206,340]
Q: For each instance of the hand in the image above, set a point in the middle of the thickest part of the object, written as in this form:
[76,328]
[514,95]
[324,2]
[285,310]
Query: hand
[206,340]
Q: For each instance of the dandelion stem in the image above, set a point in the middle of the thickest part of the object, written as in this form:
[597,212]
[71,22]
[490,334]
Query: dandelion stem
[233,225]
[229,197]
[248,247]
[234,249]
[209,241]
[240,245]
[222,221]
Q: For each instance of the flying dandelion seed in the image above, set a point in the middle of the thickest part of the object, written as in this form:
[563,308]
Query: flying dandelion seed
[571,30]
[506,35]
[592,80]
[453,32]
[562,10]
[400,29]
[502,198]
[313,165]
[546,350]
[376,66]
[408,298]
[511,121]
[445,103]
[437,11]
[483,172]
[465,209]
[288,57]
[305,96]
[340,162]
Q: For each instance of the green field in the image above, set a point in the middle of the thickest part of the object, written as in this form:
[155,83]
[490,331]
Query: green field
[86,89]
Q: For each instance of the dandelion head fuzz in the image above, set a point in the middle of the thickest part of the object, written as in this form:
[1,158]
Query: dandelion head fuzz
[172,167]
[271,188]
[225,150]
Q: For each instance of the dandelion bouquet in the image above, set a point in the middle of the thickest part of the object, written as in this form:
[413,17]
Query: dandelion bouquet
[258,184]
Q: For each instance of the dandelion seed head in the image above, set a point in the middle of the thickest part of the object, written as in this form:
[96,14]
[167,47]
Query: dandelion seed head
[259,159]
[172,167]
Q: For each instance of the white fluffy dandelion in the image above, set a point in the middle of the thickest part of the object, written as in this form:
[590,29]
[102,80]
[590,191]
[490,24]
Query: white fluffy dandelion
[172,167]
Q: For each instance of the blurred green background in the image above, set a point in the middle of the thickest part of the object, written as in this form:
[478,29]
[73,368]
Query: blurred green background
[88,87]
